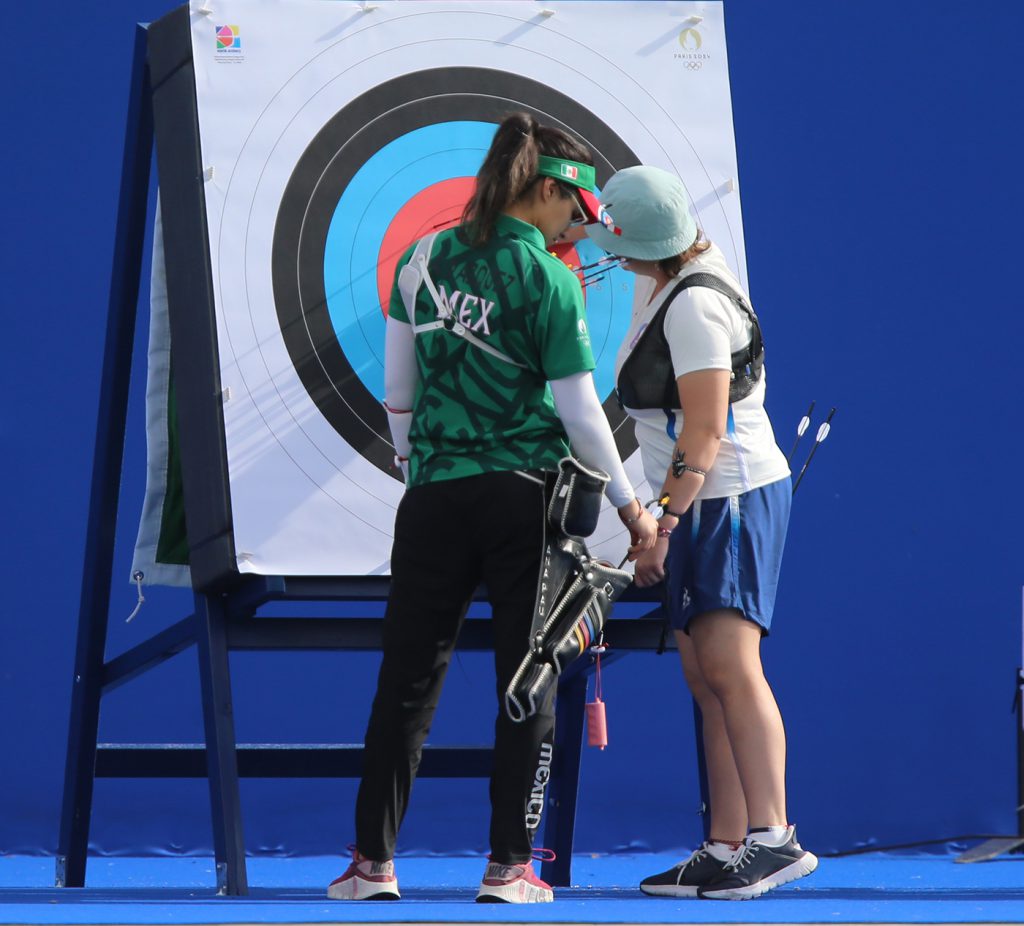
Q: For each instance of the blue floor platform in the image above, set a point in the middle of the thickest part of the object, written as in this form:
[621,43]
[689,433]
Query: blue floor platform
[863,889]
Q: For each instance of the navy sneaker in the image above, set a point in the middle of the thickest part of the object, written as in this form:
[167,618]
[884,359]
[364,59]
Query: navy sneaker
[684,879]
[758,868]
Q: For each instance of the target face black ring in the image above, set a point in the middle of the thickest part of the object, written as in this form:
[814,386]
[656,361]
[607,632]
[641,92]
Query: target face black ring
[331,232]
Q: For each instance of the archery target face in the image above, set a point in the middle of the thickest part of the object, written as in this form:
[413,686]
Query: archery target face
[333,139]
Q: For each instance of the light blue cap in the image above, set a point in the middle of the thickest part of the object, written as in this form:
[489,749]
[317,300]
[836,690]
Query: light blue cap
[650,214]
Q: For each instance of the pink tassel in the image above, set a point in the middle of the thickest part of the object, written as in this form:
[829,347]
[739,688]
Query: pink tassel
[597,722]
[597,725]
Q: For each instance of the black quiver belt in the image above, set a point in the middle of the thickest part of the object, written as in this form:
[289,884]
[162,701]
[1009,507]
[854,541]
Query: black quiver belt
[575,592]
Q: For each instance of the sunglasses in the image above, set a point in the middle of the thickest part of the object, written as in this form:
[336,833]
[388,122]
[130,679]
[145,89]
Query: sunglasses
[580,215]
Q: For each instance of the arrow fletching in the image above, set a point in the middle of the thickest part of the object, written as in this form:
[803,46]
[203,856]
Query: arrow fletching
[801,428]
[823,432]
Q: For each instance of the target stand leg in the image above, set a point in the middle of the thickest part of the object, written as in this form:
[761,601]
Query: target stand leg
[702,771]
[992,848]
[87,684]
[564,785]
[79,777]
[221,757]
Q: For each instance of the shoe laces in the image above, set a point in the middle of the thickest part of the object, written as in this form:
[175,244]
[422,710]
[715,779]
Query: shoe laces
[695,856]
[744,857]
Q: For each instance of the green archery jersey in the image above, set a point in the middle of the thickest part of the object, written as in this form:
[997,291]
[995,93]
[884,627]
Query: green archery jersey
[474,412]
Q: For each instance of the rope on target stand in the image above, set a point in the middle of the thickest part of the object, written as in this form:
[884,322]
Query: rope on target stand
[138,576]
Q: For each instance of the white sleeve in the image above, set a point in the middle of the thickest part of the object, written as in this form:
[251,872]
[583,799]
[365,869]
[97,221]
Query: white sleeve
[701,327]
[592,442]
[400,379]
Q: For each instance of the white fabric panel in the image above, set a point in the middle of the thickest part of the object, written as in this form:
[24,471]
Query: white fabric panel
[304,501]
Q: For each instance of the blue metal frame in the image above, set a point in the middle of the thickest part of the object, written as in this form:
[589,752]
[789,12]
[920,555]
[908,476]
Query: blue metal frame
[149,653]
[221,760]
[106,476]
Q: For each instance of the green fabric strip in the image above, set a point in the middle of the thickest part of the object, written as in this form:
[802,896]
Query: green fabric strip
[172,545]
[573,172]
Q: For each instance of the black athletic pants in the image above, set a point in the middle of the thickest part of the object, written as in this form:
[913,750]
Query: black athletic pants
[449,537]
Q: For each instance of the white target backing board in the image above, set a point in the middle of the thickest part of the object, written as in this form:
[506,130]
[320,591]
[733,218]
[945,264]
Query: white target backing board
[335,133]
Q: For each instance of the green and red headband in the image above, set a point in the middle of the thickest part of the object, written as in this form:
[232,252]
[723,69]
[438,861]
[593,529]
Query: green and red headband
[581,176]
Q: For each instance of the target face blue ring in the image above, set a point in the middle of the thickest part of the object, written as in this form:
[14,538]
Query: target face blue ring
[383,185]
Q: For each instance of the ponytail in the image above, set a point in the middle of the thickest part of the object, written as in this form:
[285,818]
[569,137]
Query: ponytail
[509,170]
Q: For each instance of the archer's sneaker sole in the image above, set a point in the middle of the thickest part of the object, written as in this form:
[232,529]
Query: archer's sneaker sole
[686,878]
[513,884]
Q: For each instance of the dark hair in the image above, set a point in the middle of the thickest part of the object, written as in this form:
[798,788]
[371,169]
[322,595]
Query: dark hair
[672,265]
[510,169]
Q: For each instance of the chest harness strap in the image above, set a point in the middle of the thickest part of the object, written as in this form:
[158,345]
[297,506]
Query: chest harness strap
[647,379]
[413,275]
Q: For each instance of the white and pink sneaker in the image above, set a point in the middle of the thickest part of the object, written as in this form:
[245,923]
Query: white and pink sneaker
[365,880]
[513,884]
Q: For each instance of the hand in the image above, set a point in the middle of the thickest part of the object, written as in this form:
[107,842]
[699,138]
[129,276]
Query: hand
[650,565]
[643,532]
[402,465]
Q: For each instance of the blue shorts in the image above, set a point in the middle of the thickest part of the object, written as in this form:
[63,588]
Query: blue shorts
[726,553]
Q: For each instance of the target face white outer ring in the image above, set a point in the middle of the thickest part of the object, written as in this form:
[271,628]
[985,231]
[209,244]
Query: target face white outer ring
[304,501]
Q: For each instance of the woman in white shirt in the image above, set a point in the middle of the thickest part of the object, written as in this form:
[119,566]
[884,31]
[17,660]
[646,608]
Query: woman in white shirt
[690,373]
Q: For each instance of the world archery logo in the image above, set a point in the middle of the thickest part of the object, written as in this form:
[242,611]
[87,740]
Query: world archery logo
[229,39]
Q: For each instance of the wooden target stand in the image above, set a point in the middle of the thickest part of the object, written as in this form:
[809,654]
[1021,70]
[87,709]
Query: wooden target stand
[225,616]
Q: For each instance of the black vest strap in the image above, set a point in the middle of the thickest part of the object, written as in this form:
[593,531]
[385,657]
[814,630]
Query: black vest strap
[647,379]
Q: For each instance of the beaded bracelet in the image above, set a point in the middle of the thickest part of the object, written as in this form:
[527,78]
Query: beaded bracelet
[639,514]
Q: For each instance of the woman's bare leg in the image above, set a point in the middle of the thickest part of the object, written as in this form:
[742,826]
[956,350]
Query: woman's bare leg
[727,648]
[728,806]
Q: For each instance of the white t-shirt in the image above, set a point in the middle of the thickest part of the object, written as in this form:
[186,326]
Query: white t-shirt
[703,329]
